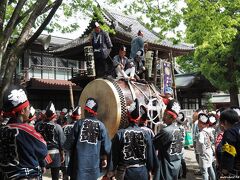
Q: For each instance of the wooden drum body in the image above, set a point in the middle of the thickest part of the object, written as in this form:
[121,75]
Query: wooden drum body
[113,98]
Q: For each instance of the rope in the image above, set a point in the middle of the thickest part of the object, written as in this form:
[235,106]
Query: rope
[151,108]
[159,106]
[131,89]
[141,92]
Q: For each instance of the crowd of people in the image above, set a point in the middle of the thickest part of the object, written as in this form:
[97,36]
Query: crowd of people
[216,142]
[81,148]
[30,144]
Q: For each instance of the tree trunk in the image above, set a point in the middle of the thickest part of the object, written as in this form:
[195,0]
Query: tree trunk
[233,91]
[232,79]
[3,61]
[11,66]
[3,8]
[8,59]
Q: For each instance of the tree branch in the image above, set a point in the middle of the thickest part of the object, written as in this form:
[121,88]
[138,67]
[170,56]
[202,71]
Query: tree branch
[4,61]
[29,24]
[18,47]
[20,18]
[31,9]
[55,7]
[3,8]
[50,6]
[11,24]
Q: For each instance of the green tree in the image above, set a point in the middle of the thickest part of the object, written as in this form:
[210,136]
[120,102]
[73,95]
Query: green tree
[22,21]
[17,19]
[212,25]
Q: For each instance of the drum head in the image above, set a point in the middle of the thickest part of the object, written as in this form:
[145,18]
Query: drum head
[109,107]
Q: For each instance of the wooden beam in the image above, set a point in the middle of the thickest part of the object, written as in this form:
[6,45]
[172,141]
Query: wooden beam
[172,61]
[155,67]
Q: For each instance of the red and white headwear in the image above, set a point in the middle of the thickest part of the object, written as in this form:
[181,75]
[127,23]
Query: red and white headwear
[91,106]
[50,111]
[14,100]
[173,108]
[32,115]
[203,118]
[212,119]
[76,114]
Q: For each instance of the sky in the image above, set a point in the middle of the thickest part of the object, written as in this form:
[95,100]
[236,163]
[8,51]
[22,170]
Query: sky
[75,34]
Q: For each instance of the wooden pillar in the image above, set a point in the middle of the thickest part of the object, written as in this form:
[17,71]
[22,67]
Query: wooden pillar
[155,67]
[172,61]
[71,96]
[162,75]
[28,65]
[72,72]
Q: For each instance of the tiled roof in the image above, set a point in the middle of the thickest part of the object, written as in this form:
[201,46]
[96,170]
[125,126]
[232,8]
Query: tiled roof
[185,81]
[127,26]
[56,40]
[51,84]
[195,81]
[72,44]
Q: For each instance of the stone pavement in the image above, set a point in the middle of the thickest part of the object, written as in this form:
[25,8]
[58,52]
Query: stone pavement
[190,161]
[192,165]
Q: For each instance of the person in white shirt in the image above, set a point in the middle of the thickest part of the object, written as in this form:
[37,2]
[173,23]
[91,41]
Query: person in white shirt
[124,67]
[203,146]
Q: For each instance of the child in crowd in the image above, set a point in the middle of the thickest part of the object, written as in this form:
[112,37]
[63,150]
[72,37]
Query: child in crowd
[203,146]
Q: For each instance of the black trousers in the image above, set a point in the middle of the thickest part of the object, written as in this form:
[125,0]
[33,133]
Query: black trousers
[184,168]
[100,67]
[103,67]
[55,173]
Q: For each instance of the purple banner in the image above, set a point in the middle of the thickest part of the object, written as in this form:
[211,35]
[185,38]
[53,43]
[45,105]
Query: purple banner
[167,74]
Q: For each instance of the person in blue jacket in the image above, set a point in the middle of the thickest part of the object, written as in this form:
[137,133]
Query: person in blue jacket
[67,129]
[90,142]
[55,138]
[230,145]
[102,46]
[169,143]
[137,44]
[22,149]
[133,154]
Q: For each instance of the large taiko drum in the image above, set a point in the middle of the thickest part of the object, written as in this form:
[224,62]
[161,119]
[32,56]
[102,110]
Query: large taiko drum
[113,99]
